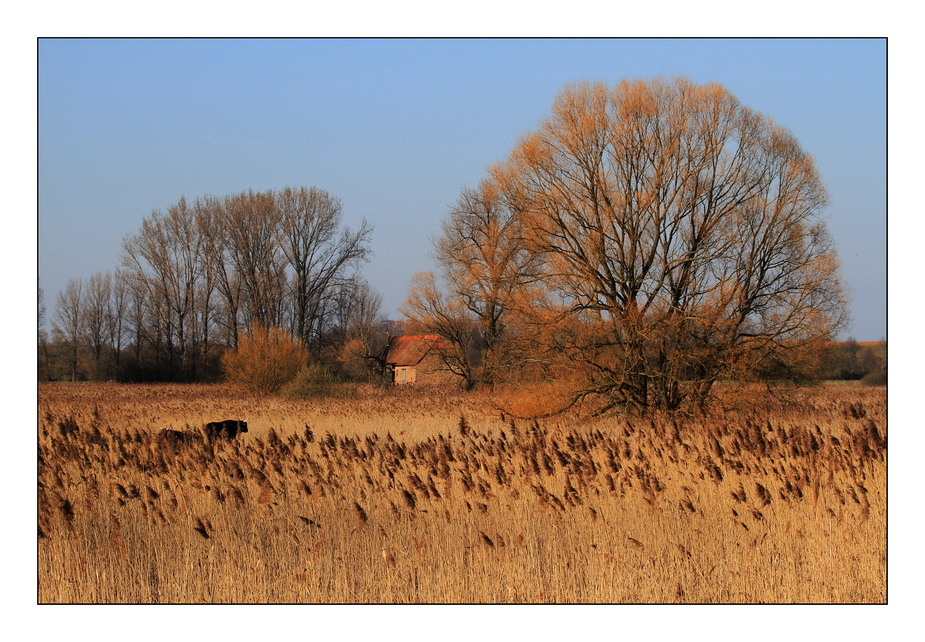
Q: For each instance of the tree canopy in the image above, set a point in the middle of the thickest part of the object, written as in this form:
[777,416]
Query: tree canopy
[680,240]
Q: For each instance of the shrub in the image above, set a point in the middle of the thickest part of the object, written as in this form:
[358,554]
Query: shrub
[314,380]
[875,378]
[265,361]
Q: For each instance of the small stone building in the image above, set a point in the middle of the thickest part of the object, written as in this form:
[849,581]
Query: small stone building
[414,359]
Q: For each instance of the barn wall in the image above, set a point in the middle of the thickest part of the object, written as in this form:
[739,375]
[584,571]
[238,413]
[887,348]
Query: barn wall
[405,374]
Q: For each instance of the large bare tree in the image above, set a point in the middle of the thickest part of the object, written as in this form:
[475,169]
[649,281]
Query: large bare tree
[682,239]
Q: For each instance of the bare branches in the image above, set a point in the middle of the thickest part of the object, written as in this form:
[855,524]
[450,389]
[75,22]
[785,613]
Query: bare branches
[318,253]
[486,266]
[681,229]
[223,266]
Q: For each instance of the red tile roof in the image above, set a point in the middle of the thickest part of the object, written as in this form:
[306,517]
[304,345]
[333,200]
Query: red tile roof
[410,350]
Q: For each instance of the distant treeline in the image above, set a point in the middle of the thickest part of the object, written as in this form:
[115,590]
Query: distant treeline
[194,280]
[197,277]
[853,360]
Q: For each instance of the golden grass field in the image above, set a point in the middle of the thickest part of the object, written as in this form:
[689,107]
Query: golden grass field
[433,496]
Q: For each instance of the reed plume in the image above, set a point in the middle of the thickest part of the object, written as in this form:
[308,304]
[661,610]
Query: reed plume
[409,498]
[201,529]
[361,516]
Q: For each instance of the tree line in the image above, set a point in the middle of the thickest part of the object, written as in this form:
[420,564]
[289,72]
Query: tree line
[644,242]
[201,274]
[851,361]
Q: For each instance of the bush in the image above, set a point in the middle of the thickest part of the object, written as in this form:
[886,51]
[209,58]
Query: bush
[313,380]
[875,378]
[265,361]
[851,361]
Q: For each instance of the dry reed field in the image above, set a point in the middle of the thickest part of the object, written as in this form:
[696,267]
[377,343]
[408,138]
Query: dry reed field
[430,496]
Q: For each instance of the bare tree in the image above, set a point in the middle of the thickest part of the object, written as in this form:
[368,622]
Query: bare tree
[167,258]
[318,253]
[453,327]
[359,327]
[208,224]
[117,322]
[44,357]
[69,321]
[96,306]
[364,317]
[682,230]
[136,313]
[487,267]
[252,224]
[41,313]
[219,269]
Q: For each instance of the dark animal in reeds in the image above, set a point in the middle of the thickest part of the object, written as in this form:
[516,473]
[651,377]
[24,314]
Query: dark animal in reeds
[227,429]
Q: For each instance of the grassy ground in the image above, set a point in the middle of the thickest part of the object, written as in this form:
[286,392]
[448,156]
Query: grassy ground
[430,496]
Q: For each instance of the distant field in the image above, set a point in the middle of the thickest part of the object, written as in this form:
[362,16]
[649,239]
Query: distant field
[416,495]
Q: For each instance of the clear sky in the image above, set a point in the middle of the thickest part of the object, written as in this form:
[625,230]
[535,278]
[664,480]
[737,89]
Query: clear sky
[396,128]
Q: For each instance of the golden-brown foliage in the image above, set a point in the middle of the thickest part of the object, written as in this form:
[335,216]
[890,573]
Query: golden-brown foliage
[265,361]
[486,266]
[680,239]
[431,496]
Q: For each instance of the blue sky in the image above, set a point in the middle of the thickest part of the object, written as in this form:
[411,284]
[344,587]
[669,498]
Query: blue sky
[396,128]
